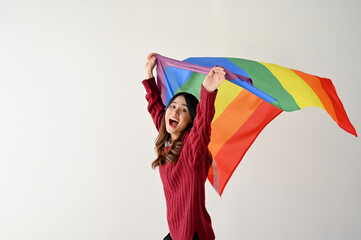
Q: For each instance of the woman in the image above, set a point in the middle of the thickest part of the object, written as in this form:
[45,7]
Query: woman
[183,157]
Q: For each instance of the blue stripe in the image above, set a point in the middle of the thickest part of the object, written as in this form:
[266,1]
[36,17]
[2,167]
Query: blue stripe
[175,77]
[179,77]
[213,61]
[226,63]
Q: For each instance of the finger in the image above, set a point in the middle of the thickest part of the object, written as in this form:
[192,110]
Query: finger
[211,73]
[151,56]
[221,73]
[215,69]
[219,70]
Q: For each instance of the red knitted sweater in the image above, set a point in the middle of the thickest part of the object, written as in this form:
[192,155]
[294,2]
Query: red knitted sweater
[184,181]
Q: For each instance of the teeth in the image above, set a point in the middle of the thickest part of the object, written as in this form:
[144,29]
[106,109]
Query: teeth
[173,119]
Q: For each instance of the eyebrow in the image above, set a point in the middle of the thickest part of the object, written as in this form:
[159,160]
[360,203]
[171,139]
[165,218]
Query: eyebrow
[182,104]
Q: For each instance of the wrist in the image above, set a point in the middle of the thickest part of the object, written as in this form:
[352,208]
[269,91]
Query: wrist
[148,74]
[207,88]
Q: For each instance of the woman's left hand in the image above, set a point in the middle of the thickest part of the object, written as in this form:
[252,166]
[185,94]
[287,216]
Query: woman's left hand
[214,78]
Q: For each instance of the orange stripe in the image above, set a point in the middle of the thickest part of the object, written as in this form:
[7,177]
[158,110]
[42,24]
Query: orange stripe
[315,83]
[236,113]
[232,152]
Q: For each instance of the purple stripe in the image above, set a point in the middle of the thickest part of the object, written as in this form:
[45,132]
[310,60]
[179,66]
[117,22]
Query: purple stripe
[160,77]
[163,62]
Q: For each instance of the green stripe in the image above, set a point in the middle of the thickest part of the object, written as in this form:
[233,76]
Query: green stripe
[265,81]
[193,84]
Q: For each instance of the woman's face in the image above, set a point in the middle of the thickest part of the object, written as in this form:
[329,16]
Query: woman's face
[177,117]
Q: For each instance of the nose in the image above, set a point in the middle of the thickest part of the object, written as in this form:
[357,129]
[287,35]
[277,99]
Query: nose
[176,111]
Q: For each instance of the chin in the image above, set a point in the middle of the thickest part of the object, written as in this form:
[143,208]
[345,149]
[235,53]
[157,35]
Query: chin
[169,130]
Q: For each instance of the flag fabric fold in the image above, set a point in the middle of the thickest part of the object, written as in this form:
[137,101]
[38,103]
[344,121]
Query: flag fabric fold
[254,95]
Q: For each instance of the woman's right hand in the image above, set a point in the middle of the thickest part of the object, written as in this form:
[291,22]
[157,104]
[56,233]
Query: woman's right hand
[150,65]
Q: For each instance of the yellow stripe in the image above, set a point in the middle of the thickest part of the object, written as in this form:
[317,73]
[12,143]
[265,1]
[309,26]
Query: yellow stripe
[227,92]
[295,85]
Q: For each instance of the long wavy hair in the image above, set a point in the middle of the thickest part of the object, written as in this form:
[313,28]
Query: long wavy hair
[174,150]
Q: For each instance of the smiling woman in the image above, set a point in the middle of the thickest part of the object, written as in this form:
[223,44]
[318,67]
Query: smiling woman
[180,113]
[182,152]
[177,120]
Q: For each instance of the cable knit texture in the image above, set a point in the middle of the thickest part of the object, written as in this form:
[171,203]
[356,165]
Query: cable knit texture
[184,182]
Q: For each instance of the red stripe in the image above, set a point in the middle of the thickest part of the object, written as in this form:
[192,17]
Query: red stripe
[232,152]
[343,120]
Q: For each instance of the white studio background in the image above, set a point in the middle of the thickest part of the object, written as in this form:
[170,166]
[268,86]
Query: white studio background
[76,141]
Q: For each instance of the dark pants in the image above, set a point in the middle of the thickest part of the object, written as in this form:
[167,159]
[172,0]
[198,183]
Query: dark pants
[195,237]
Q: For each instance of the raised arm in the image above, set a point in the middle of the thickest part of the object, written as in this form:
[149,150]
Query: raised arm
[150,65]
[155,104]
[214,78]
[196,145]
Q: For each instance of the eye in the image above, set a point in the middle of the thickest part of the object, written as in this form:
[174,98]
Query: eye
[184,110]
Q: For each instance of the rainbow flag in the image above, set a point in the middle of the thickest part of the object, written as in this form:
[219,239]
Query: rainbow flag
[254,95]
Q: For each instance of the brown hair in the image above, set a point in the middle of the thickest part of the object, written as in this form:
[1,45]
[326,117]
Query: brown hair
[175,149]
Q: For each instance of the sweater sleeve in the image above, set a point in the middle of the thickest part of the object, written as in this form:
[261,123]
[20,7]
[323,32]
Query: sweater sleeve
[155,103]
[196,145]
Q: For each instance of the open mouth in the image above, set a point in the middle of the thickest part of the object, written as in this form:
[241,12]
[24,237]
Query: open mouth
[173,122]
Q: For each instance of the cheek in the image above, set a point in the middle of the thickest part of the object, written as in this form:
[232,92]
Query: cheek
[166,114]
[186,119]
